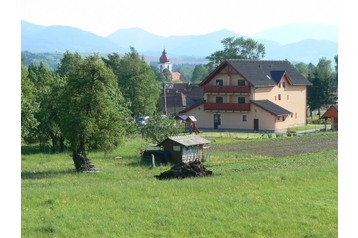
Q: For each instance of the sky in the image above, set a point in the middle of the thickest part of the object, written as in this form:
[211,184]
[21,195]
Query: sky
[184,17]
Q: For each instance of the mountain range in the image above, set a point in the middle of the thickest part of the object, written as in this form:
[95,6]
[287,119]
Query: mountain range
[298,42]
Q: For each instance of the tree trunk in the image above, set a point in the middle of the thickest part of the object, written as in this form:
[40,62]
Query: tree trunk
[81,162]
[62,143]
[54,140]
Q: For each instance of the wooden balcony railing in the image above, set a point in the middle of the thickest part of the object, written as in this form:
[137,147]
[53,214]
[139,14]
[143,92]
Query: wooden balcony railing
[227,106]
[226,89]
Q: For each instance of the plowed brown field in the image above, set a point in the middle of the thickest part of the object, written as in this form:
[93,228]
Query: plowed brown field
[281,148]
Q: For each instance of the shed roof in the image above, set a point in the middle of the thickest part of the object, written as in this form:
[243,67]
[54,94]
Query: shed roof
[181,117]
[188,140]
[332,111]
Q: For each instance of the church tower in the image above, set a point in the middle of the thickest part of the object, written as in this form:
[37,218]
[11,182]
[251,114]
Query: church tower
[164,62]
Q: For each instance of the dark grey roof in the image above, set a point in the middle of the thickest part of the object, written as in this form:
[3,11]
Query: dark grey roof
[188,140]
[262,73]
[277,75]
[271,107]
[266,72]
[192,106]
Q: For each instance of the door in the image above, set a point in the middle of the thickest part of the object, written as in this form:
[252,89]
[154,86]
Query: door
[256,124]
[217,120]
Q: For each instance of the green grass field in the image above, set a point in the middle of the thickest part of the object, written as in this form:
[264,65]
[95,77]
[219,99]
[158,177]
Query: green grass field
[247,196]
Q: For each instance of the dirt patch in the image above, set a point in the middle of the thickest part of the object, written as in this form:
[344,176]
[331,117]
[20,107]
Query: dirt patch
[281,148]
[185,170]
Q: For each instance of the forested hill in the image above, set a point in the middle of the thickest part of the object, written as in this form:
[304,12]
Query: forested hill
[307,45]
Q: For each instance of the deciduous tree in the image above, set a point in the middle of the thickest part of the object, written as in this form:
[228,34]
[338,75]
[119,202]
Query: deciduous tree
[29,105]
[68,61]
[136,81]
[321,93]
[159,76]
[159,127]
[167,75]
[199,73]
[239,48]
[186,71]
[47,84]
[93,112]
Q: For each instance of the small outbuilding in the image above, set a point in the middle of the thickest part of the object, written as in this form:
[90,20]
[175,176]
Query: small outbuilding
[185,148]
[332,113]
[190,123]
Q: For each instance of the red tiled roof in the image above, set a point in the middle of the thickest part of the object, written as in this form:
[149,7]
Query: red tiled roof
[178,76]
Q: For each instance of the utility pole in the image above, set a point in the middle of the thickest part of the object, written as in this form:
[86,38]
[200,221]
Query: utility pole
[165,86]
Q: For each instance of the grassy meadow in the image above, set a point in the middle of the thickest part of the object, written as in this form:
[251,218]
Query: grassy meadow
[247,196]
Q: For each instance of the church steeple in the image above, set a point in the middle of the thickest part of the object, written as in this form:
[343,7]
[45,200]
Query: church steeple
[164,58]
[164,62]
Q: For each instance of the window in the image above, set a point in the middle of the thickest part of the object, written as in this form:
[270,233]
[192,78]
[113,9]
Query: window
[275,98]
[219,100]
[241,82]
[279,97]
[244,117]
[284,84]
[279,85]
[241,99]
[219,82]
[288,97]
[176,148]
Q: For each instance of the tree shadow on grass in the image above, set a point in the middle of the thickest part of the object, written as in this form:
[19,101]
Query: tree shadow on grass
[45,174]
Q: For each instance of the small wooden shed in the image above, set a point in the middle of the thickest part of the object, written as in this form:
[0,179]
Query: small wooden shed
[332,112]
[185,148]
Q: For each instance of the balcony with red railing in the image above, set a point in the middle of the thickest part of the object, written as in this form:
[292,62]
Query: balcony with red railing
[227,106]
[226,89]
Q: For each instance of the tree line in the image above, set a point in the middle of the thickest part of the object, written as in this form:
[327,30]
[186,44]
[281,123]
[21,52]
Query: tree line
[91,102]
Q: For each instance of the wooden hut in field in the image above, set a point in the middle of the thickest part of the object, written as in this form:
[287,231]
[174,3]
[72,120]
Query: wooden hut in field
[332,113]
[185,148]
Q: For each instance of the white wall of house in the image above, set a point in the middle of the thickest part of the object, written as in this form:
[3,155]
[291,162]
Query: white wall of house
[235,120]
[292,98]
